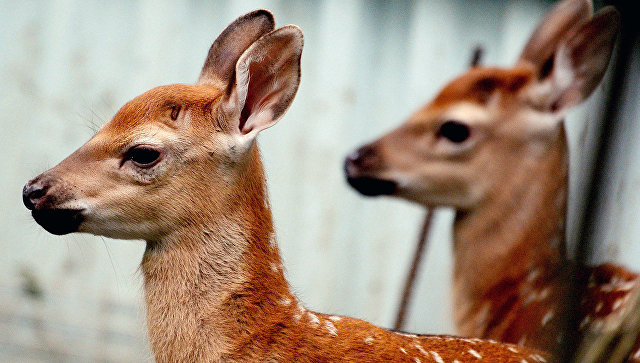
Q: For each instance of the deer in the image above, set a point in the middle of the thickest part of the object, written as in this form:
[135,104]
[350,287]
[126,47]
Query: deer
[179,167]
[492,146]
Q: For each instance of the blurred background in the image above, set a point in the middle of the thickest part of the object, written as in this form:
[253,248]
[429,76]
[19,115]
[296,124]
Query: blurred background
[67,66]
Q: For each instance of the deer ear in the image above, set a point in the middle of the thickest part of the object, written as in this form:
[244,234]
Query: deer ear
[220,64]
[579,62]
[267,79]
[583,59]
[544,41]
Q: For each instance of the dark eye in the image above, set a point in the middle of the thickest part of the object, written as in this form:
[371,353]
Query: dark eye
[175,111]
[454,131]
[143,157]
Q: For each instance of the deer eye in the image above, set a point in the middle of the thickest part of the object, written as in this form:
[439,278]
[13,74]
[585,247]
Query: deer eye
[454,131]
[175,111]
[142,156]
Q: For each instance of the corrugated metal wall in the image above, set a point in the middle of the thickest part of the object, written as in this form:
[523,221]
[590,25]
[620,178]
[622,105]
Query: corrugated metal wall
[66,66]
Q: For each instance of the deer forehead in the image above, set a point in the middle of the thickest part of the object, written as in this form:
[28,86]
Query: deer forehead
[480,82]
[154,107]
[490,98]
[468,97]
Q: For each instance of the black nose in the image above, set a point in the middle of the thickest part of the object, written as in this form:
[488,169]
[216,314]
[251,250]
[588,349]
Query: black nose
[32,193]
[365,157]
[359,167]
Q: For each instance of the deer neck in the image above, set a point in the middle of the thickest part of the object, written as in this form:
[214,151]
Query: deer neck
[515,236]
[210,284]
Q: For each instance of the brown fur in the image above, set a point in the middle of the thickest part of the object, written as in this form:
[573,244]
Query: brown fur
[508,182]
[213,278]
[480,83]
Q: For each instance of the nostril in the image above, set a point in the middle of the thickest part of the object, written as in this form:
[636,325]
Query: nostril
[31,194]
[352,158]
[364,156]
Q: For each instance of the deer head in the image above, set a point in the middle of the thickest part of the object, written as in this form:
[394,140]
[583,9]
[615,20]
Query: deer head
[490,123]
[184,143]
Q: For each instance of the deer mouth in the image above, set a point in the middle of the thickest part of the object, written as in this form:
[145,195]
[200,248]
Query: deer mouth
[372,186]
[366,185]
[58,221]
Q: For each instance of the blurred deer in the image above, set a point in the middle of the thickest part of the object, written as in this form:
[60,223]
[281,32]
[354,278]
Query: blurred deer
[492,145]
[179,167]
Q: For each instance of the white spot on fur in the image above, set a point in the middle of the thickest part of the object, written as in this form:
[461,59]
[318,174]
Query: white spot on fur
[417,360]
[617,304]
[537,358]
[406,334]
[524,361]
[474,353]
[299,312]
[403,350]
[599,306]
[607,287]
[585,321]
[368,340]
[512,349]
[548,316]
[274,266]
[313,319]
[529,299]
[597,324]
[272,240]
[419,347]
[331,328]
[636,355]
[626,286]
[436,357]
[522,340]
[335,318]
[544,293]
[285,301]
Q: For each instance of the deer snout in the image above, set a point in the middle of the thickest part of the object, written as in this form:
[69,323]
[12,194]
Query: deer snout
[42,196]
[360,169]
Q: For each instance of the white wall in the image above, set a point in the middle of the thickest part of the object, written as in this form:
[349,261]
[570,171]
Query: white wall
[66,66]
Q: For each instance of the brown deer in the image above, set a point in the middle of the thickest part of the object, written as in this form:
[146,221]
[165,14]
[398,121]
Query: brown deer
[179,167]
[492,145]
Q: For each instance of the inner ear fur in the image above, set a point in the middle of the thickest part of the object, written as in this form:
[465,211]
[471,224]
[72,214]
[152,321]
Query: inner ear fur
[588,51]
[267,79]
[571,59]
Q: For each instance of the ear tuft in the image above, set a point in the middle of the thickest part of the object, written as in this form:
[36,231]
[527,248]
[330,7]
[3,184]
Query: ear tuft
[220,64]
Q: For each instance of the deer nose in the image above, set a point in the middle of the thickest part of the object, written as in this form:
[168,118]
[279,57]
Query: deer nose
[33,192]
[365,157]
